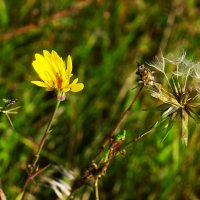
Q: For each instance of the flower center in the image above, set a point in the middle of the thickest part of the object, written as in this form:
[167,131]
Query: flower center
[59,82]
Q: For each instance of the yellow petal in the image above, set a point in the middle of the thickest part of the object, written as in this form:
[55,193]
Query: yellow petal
[57,64]
[77,87]
[49,79]
[69,66]
[49,60]
[41,61]
[74,82]
[67,89]
[58,61]
[41,66]
[37,67]
[40,83]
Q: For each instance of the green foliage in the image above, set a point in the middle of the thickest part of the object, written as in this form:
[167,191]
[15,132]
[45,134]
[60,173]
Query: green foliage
[105,39]
[20,196]
[120,136]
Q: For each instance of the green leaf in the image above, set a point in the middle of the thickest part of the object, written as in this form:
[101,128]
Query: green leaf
[184,127]
[120,136]
[3,13]
[20,196]
[169,125]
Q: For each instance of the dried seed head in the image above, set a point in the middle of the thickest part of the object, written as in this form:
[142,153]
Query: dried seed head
[62,185]
[180,97]
[146,76]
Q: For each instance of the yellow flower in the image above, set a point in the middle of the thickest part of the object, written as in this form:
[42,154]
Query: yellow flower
[53,73]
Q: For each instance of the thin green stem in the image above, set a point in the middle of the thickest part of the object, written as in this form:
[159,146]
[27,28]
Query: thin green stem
[106,141]
[41,144]
[136,139]
[122,118]
[46,133]
[96,187]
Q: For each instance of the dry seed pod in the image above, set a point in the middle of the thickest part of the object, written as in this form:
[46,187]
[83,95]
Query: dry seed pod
[146,76]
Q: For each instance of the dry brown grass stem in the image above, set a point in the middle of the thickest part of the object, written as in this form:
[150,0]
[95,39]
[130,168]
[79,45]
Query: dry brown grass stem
[76,7]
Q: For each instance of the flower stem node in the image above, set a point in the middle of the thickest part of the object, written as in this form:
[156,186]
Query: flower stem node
[61,96]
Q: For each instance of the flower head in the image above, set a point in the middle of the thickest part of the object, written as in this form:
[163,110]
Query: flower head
[180,97]
[8,112]
[52,71]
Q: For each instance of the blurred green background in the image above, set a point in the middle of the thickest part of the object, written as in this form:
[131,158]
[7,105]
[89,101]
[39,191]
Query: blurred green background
[105,39]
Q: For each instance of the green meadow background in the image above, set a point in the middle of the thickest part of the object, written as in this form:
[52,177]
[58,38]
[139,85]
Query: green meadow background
[105,40]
